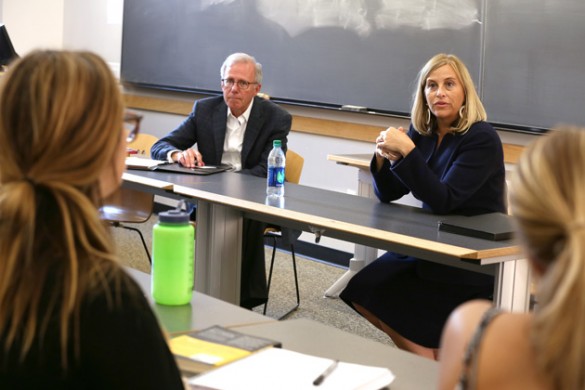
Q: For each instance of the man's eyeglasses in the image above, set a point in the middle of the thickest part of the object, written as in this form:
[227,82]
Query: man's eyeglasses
[131,125]
[242,84]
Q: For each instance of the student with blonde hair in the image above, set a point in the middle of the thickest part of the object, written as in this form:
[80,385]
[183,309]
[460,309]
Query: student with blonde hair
[485,348]
[70,317]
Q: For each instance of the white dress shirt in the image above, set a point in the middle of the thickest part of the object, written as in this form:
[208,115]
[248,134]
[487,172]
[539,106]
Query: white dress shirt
[234,138]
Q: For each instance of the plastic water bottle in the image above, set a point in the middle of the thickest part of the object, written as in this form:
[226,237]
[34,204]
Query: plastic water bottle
[276,163]
[173,258]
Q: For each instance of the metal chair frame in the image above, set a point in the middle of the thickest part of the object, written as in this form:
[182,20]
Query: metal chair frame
[294,167]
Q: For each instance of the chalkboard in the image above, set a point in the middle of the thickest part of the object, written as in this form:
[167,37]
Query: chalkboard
[534,72]
[367,53]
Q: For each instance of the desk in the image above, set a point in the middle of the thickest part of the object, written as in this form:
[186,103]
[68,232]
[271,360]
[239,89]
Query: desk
[513,278]
[203,311]
[302,335]
[225,199]
[307,336]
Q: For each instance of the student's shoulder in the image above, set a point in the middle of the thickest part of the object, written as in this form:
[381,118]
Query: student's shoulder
[114,289]
[466,318]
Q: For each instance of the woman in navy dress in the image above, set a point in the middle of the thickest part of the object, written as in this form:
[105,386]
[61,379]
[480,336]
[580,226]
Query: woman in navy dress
[452,161]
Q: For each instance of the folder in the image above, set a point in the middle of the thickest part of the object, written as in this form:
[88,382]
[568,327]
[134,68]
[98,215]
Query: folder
[204,170]
[147,164]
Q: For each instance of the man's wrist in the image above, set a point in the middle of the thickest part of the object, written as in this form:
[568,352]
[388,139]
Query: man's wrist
[170,155]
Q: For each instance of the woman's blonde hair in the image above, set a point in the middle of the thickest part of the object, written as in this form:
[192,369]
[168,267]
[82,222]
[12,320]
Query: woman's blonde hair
[547,200]
[60,127]
[423,119]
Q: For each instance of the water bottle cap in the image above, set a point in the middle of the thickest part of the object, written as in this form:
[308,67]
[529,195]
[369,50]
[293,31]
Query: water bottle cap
[174,216]
[277,143]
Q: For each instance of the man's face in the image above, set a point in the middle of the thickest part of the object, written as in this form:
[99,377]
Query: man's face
[236,97]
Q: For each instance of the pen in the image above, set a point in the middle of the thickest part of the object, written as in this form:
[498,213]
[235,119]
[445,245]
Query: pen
[325,373]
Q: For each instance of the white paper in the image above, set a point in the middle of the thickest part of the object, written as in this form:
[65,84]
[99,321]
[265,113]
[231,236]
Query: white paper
[140,162]
[277,368]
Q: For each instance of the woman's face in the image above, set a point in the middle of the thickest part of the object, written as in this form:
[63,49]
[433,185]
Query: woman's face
[445,95]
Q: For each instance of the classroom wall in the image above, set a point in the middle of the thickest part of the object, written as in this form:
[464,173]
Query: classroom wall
[97,25]
[33,24]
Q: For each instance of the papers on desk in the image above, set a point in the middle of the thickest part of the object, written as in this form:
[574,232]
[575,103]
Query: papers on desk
[277,368]
[141,163]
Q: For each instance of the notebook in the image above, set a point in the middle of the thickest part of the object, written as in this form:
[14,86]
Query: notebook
[200,351]
[282,369]
[491,226]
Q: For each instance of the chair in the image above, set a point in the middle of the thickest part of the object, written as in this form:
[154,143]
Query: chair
[131,206]
[294,168]
[142,144]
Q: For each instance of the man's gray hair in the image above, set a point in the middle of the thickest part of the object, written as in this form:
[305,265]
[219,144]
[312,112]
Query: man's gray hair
[242,58]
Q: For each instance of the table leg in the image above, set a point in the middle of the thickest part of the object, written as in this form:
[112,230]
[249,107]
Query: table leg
[363,255]
[218,251]
[512,285]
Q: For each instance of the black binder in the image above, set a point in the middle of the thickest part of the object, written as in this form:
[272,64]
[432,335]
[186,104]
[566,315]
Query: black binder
[204,170]
[491,226]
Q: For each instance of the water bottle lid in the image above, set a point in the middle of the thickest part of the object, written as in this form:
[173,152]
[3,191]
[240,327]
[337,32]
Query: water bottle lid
[277,143]
[174,216]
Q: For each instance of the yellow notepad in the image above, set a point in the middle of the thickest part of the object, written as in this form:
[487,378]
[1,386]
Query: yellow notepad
[201,351]
[205,352]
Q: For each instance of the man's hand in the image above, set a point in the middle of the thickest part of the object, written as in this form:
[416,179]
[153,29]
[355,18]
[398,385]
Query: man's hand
[189,158]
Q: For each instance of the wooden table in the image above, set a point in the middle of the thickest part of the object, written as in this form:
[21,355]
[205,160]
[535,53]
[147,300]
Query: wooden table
[225,199]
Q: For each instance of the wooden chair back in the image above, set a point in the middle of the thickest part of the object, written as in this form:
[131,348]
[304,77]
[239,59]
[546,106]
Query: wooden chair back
[142,144]
[294,167]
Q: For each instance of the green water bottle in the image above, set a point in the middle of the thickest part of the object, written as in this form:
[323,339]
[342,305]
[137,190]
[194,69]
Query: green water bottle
[173,258]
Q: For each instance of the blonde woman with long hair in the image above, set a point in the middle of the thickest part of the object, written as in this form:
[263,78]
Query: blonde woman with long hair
[69,315]
[451,160]
[485,348]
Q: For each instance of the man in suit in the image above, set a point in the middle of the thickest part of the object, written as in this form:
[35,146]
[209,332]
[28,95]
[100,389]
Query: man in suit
[236,129]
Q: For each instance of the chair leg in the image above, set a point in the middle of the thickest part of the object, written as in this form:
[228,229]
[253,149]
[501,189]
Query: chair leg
[270,273]
[294,262]
[141,239]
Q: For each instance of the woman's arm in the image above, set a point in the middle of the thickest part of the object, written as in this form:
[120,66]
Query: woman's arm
[469,161]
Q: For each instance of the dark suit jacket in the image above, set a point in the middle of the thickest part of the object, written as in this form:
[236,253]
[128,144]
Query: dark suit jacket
[206,127]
